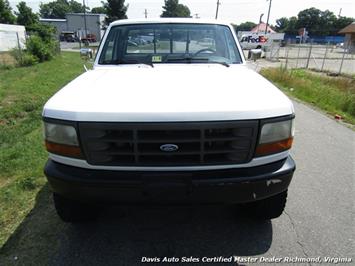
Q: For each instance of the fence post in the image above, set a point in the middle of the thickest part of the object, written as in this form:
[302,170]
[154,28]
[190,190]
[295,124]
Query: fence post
[287,52]
[342,59]
[19,45]
[325,56]
[309,55]
[298,53]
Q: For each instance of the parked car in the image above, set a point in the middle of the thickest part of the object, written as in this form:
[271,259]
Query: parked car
[340,45]
[89,38]
[178,121]
[67,36]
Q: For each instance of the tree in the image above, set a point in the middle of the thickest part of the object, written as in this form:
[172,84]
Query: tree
[55,9]
[282,24]
[25,16]
[172,8]
[316,22]
[245,26]
[46,32]
[76,7]
[98,10]
[287,25]
[115,9]
[328,21]
[292,26]
[341,23]
[310,19]
[322,23]
[58,8]
[6,15]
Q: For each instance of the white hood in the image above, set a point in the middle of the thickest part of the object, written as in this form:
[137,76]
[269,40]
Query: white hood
[169,92]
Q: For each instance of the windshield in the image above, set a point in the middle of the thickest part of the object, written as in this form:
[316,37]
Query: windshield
[169,43]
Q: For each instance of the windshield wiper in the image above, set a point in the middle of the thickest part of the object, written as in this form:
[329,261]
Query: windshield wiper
[221,63]
[188,59]
[134,62]
[197,60]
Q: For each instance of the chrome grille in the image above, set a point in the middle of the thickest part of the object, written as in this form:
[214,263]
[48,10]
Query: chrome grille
[138,144]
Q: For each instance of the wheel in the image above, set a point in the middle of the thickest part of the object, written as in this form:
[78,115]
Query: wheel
[72,211]
[268,208]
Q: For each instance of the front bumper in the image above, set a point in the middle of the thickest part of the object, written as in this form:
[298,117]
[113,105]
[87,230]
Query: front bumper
[212,186]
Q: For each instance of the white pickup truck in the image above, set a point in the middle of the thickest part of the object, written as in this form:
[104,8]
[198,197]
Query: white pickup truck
[179,119]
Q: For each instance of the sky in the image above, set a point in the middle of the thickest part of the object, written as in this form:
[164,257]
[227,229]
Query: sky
[235,11]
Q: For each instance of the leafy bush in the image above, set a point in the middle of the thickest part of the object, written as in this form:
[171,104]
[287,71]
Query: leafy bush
[47,35]
[40,46]
[29,59]
[24,58]
[45,32]
[17,55]
[40,49]
[37,50]
[6,67]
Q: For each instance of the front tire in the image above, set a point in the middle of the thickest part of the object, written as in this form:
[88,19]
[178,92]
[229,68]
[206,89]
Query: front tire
[71,211]
[268,208]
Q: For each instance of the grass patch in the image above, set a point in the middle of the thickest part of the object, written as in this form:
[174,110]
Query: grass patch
[335,95]
[6,60]
[23,92]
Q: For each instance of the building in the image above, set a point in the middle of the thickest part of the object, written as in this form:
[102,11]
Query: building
[261,28]
[349,41]
[75,22]
[12,36]
[59,24]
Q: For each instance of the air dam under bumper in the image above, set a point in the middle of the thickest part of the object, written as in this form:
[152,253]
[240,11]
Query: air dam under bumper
[216,186]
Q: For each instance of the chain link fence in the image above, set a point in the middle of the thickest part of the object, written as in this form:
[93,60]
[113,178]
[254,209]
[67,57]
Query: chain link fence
[325,58]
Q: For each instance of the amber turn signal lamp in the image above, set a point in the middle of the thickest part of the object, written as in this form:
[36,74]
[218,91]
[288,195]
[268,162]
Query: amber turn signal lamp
[274,147]
[65,150]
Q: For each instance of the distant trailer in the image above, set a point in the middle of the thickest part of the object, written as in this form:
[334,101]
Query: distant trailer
[12,36]
[255,40]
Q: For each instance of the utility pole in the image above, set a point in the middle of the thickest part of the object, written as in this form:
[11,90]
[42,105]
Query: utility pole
[340,12]
[268,16]
[145,13]
[218,4]
[86,29]
[261,15]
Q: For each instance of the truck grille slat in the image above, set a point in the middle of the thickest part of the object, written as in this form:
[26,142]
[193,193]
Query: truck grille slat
[139,144]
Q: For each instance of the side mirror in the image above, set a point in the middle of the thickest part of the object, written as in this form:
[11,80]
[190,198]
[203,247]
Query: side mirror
[254,54]
[86,53]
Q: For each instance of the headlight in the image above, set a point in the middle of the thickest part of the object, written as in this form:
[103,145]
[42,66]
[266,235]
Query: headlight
[60,134]
[275,137]
[62,140]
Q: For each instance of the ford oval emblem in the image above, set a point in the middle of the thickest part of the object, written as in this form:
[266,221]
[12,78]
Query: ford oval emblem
[169,147]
